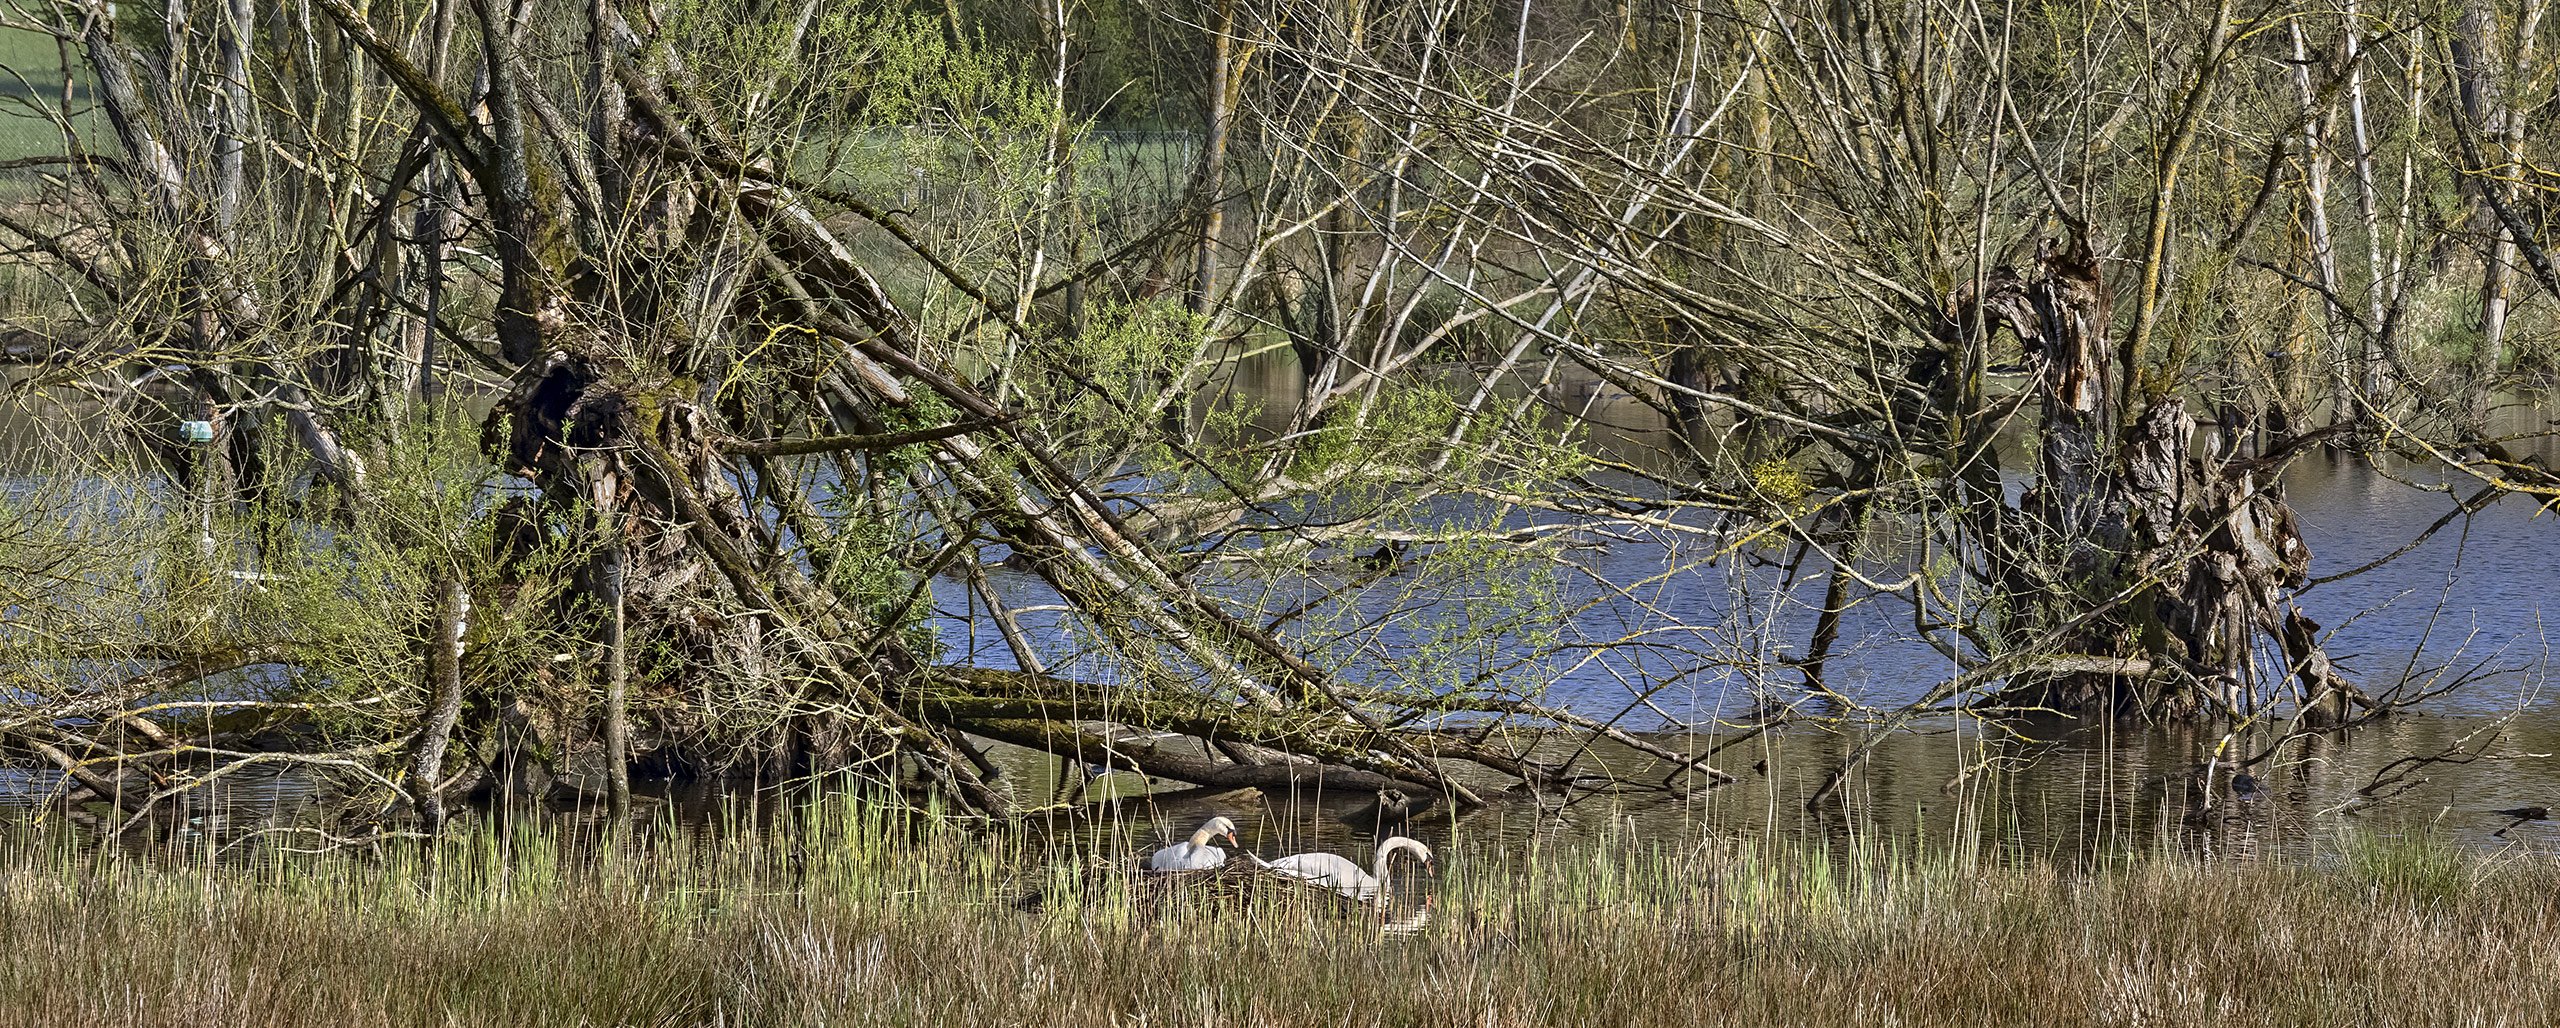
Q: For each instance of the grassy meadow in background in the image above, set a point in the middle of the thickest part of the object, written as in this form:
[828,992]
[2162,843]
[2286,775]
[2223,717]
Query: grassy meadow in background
[849,920]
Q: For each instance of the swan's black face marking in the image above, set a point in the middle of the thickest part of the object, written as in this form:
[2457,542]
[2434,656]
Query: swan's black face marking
[1213,828]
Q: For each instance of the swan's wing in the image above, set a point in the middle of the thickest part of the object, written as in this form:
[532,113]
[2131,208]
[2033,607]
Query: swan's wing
[1330,870]
[1187,857]
[1310,866]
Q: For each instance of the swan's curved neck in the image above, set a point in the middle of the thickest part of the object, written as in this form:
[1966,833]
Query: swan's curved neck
[1379,871]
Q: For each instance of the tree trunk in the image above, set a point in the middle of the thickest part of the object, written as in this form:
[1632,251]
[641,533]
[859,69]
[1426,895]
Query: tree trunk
[1212,173]
[1210,185]
[2369,356]
[2484,85]
[617,693]
[2316,127]
[452,612]
[2146,568]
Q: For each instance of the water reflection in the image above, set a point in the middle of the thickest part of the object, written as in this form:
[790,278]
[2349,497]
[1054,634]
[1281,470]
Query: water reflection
[2055,793]
[2477,588]
[2072,798]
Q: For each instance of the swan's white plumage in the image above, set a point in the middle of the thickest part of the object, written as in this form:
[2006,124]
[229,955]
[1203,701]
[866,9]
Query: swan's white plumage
[1195,853]
[1186,856]
[1336,872]
[1331,870]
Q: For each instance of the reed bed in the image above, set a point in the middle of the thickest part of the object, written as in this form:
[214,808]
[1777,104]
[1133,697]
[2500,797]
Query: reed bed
[855,918]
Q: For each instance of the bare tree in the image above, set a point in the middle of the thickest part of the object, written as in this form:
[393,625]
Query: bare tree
[773,317]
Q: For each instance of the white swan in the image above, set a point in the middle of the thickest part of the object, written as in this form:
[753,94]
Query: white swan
[1339,874]
[1196,854]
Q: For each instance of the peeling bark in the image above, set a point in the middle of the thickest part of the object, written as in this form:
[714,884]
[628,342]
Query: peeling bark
[2139,549]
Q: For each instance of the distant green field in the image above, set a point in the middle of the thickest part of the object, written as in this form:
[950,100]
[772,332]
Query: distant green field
[23,49]
[30,90]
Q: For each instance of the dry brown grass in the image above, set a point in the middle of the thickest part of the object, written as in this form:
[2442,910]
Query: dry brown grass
[866,931]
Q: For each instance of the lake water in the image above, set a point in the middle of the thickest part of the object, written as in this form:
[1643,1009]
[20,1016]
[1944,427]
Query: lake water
[2474,594]
[2471,599]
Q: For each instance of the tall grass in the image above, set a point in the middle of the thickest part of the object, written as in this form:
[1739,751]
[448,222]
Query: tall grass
[848,916]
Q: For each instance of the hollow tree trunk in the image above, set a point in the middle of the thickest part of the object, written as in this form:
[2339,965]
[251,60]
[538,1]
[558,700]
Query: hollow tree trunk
[2152,568]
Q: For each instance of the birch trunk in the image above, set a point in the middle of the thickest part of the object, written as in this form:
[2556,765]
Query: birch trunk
[2369,359]
[2317,123]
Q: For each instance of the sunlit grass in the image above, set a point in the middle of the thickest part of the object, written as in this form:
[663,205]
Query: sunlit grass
[851,916]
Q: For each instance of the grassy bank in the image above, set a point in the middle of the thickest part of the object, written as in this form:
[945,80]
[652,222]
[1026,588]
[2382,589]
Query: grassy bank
[848,927]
